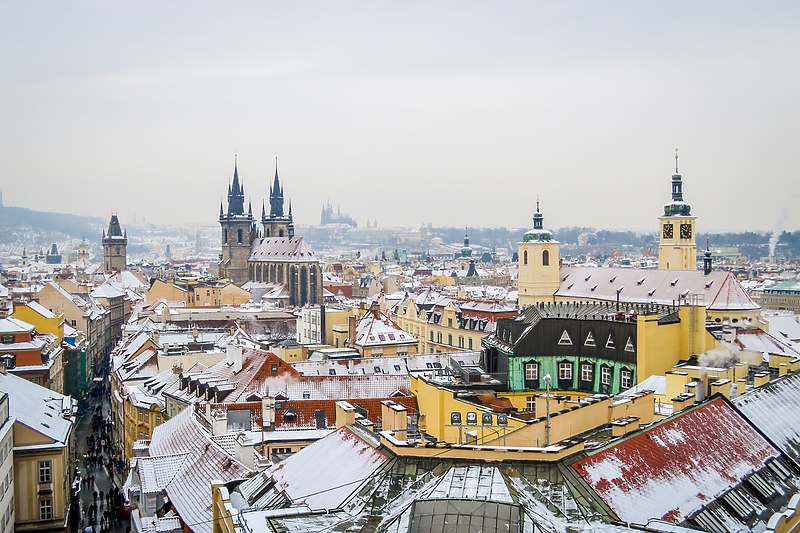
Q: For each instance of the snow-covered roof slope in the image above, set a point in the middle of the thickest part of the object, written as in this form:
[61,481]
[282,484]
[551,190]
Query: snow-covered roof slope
[775,410]
[190,489]
[39,408]
[324,474]
[677,467]
[721,290]
[282,249]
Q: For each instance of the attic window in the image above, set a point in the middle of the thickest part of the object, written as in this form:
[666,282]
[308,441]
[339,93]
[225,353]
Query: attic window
[391,336]
[651,292]
[377,369]
[674,282]
[570,286]
[610,342]
[629,345]
[565,277]
[587,277]
[612,279]
[565,339]
[640,281]
[708,285]
[397,367]
[306,395]
[589,340]
[332,371]
[593,288]
[382,337]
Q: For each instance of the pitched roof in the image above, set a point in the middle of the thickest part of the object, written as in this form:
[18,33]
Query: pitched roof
[677,467]
[190,489]
[283,249]
[721,290]
[324,474]
[775,410]
[39,408]
[379,330]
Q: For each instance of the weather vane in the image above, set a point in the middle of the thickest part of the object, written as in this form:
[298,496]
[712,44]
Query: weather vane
[676,160]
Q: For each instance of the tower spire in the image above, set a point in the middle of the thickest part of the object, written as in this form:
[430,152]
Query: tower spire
[676,160]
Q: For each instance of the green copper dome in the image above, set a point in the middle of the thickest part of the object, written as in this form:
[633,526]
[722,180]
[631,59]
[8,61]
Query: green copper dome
[466,251]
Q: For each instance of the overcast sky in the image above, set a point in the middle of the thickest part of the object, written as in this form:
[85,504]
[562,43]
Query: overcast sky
[450,113]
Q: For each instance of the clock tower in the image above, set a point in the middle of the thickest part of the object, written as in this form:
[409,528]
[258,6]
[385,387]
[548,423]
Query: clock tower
[677,249]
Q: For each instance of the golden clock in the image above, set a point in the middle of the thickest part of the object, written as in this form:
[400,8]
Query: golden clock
[686,231]
[667,231]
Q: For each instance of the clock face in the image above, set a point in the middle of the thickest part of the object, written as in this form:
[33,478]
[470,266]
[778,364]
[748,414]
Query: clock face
[667,231]
[686,231]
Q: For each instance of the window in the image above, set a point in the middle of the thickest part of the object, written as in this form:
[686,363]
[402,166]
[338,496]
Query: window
[625,379]
[158,419]
[306,395]
[565,340]
[605,375]
[44,472]
[8,339]
[141,435]
[449,322]
[141,416]
[274,369]
[525,257]
[470,344]
[587,372]
[208,292]
[431,336]
[530,403]
[532,371]
[450,340]
[564,370]
[147,417]
[589,340]
[239,235]
[73,323]
[545,258]
[46,509]
[439,338]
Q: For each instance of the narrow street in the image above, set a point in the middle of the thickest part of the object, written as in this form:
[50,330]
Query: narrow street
[115,520]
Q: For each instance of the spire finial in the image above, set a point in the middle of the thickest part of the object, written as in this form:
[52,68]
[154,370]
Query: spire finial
[676,160]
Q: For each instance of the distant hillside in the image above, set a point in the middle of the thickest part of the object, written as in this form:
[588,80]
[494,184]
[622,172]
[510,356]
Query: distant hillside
[25,226]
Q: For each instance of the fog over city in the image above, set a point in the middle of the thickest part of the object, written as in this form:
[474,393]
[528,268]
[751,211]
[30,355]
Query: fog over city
[455,114]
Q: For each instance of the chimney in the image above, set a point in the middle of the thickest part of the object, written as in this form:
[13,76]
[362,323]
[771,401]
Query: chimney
[376,310]
[229,353]
[237,359]
[244,450]
[268,413]
[323,367]
[219,422]
[351,330]
[345,414]
[394,418]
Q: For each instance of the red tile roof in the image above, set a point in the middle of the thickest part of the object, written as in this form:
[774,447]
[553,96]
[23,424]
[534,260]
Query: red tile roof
[678,466]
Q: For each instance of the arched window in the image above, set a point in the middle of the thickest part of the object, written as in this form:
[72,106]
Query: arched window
[226,236]
[239,235]
[546,258]
[525,257]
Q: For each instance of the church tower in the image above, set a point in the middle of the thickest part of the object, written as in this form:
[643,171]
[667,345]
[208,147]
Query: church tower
[238,229]
[466,254]
[277,224]
[539,263]
[115,243]
[677,249]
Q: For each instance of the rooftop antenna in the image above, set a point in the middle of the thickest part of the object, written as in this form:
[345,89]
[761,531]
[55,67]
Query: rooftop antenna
[676,160]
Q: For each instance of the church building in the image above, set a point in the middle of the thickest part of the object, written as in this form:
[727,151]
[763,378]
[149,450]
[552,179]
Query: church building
[678,282]
[270,254]
[115,244]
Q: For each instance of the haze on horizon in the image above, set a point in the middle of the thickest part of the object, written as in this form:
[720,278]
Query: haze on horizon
[454,114]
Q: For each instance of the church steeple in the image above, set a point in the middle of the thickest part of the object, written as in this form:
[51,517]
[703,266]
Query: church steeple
[235,193]
[276,196]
